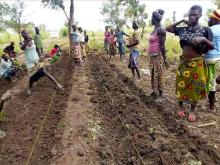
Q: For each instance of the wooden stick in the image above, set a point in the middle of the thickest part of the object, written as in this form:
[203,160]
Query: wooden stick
[207,124]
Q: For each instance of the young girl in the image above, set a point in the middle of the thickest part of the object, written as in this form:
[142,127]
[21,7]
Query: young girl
[106,40]
[134,53]
[112,44]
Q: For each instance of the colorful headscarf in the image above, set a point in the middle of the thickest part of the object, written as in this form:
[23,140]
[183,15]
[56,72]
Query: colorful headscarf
[215,14]
[158,14]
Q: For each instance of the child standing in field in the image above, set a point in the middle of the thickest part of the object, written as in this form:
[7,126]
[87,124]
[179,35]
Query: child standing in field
[106,40]
[134,53]
[112,44]
[120,40]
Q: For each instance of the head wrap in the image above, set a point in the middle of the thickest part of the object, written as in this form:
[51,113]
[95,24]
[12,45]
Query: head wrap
[215,14]
[158,14]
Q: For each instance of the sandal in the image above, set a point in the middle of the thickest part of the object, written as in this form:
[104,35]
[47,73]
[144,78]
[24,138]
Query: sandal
[181,113]
[192,117]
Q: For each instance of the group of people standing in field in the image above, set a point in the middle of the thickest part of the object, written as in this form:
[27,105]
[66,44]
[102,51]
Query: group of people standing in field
[197,73]
[79,44]
[111,38]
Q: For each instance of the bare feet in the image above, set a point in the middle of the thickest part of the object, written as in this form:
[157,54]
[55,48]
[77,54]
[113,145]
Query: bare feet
[192,117]
[181,113]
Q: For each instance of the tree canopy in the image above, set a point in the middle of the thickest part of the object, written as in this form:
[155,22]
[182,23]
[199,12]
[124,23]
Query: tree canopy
[11,16]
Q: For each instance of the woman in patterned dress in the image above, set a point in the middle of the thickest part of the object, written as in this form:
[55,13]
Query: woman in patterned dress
[195,40]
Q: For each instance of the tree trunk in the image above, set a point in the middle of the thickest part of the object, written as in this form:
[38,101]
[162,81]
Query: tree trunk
[19,33]
[71,20]
[142,32]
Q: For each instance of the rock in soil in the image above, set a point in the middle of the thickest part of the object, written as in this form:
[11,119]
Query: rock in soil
[2,134]
[80,153]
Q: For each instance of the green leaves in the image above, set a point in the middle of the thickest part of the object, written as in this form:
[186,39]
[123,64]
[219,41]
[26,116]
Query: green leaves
[11,16]
[217,2]
[113,12]
[123,12]
[54,4]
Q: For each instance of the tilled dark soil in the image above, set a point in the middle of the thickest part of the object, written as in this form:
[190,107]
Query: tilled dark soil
[135,128]
[24,116]
[138,130]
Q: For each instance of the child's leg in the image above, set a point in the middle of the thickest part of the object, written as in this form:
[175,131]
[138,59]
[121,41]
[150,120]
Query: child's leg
[133,72]
[138,72]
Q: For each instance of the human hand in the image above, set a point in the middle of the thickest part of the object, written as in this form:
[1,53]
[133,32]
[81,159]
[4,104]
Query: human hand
[197,40]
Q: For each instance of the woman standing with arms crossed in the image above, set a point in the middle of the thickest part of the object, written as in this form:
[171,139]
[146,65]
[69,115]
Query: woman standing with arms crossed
[157,53]
[195,40]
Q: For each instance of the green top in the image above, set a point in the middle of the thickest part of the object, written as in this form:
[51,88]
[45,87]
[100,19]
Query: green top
[38,41]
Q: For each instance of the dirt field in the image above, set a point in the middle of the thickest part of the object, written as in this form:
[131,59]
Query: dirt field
[104,117]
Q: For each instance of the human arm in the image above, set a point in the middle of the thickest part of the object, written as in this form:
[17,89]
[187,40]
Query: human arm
[135,40]
[207,39]
[162,38]
[133,44]
[26,43]
[6,50]
[126,34]
[171,28]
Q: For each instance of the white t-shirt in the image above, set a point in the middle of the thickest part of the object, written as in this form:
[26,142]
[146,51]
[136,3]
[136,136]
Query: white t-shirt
[31,56]
[81,37]
[4,66]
